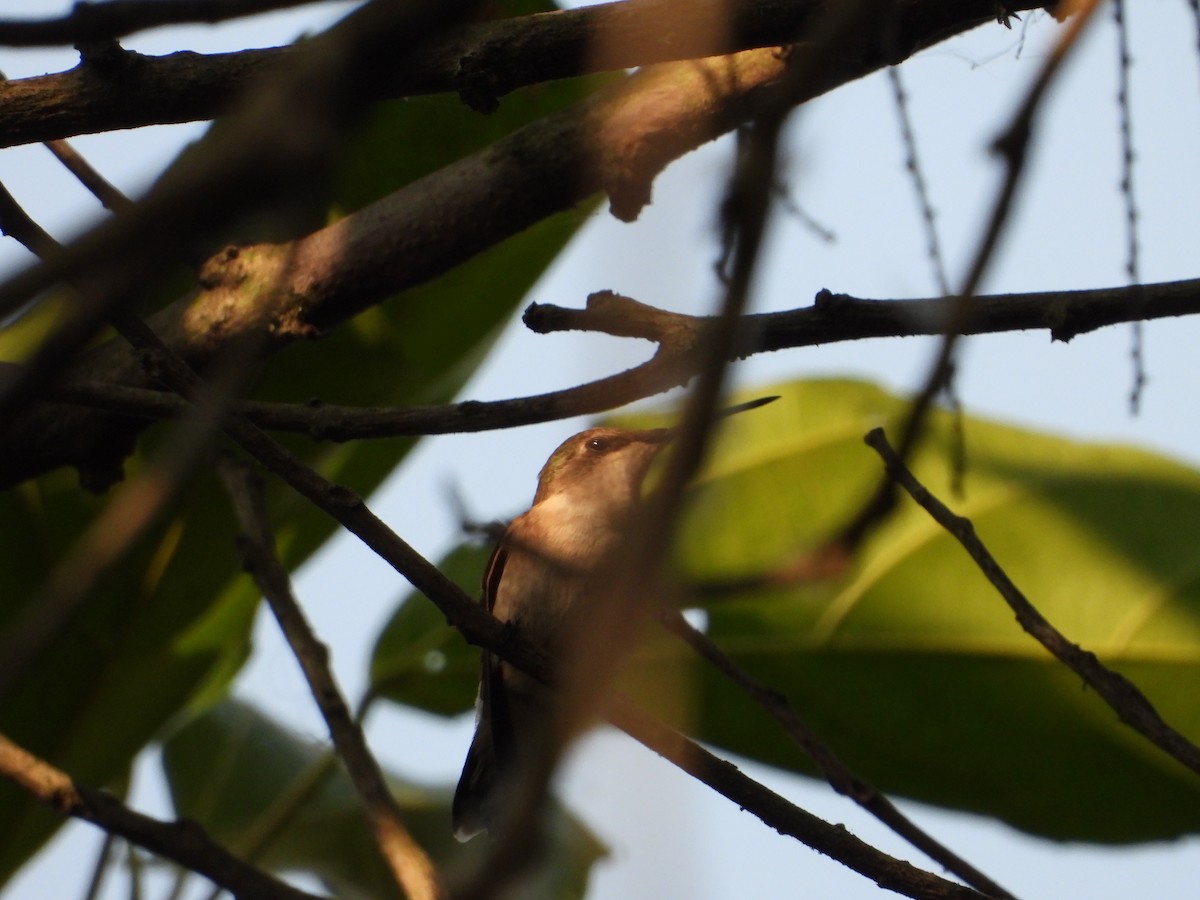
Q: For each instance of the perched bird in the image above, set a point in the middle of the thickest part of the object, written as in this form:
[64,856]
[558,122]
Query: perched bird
[538,572]
[541,570]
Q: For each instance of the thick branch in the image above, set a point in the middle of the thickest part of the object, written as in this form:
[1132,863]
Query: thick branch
[483,62]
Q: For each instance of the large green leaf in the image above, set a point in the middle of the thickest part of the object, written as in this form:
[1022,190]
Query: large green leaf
[173,621]
[169,619]
[244,777]
[910,665]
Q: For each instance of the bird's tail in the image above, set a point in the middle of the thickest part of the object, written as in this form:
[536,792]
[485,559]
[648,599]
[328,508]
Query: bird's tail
[474,804]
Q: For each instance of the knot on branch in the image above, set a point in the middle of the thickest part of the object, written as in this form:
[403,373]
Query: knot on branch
[608,312]
[105,56]
[478,82]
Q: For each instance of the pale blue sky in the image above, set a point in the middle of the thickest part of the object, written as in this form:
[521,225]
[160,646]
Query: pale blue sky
[669,836]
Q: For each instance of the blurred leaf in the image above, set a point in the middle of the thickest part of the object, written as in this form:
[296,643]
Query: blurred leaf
[236,772]
[166,621]
[172,624]
[910,665]
[418,658]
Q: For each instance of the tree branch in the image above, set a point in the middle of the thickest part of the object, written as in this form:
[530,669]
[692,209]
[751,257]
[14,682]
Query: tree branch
[832,318]
[410,866]
[616,142]
[183,842]
[483,61]
[837,774]
[1129,703]
[93,22]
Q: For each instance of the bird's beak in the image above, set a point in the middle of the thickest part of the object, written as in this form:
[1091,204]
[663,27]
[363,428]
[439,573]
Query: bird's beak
[746,407]
[666,435]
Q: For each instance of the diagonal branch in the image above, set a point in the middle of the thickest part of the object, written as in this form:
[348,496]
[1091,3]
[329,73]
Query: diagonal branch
[181,842]
[410,866]
[1129,703]
[839,776]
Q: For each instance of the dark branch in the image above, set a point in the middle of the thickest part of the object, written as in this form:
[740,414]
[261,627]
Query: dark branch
[483,62]
[1129,703]
[832,318]
[182,842]
[836,842]
[411,868]
[839,776]
[94,22]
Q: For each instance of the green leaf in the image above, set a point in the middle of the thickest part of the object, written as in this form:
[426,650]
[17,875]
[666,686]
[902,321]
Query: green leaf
[171,625]
[910,666]
[269,794]
[153,630]
[418,659]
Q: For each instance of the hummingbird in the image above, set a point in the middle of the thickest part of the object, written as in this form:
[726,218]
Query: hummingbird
[543,570]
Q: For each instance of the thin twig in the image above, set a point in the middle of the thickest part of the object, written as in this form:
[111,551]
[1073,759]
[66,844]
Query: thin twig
[839,776]
[183,842]
[410,865]
[102,189]
[101,868]
[1128,194]
[1129,703]
[912,164]
[831,318]
[18,225]
[1011,146]
[1194,6]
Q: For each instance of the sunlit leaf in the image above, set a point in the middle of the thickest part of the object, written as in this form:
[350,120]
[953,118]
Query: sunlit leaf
[911,666]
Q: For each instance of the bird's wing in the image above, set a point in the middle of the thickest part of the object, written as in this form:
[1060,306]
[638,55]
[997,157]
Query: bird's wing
[475,798]
[493,695]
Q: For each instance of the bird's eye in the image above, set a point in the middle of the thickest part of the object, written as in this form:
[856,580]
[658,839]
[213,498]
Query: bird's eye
[596,444]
